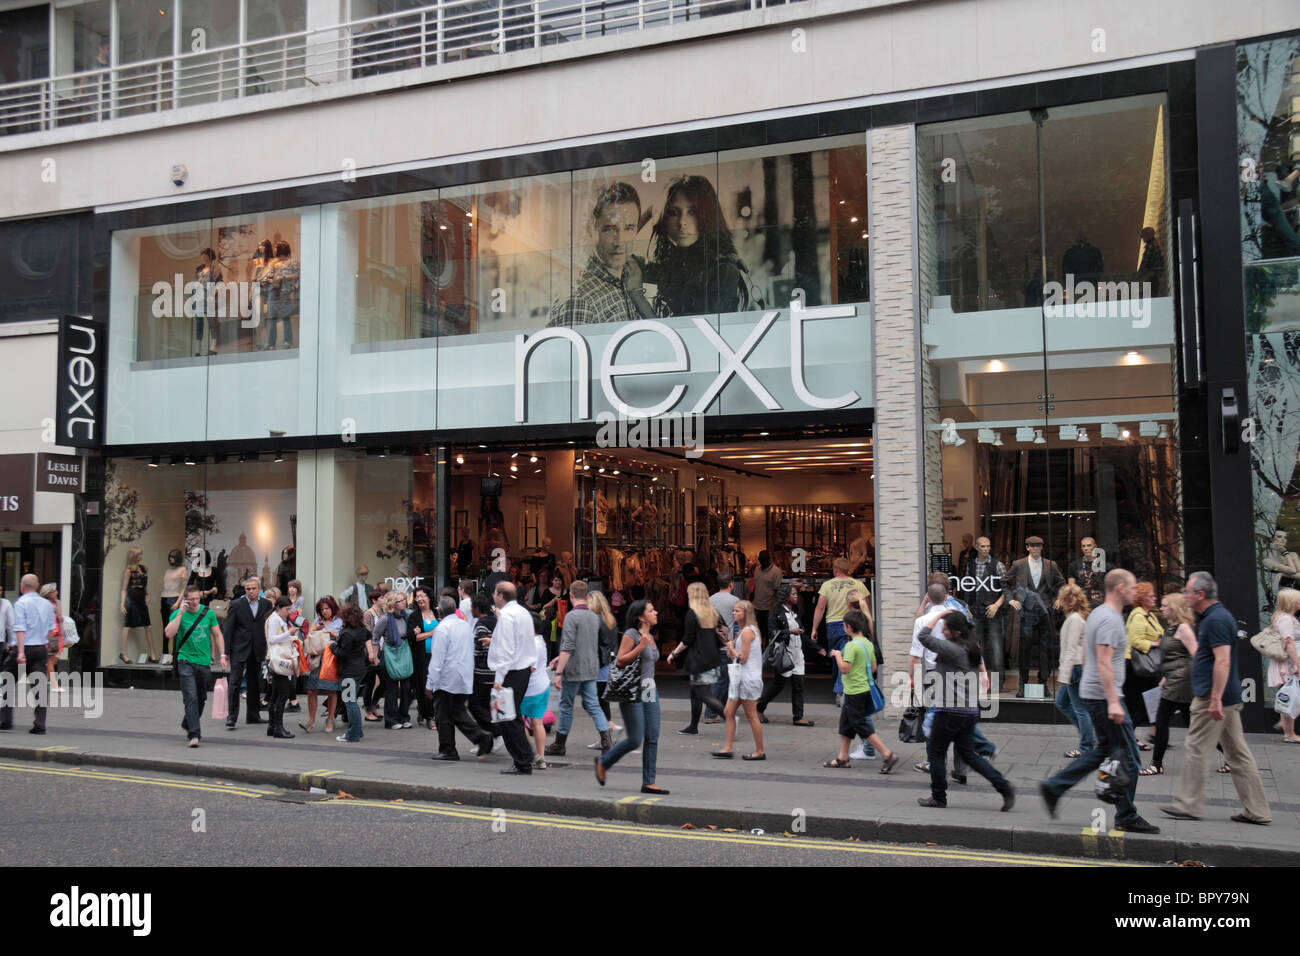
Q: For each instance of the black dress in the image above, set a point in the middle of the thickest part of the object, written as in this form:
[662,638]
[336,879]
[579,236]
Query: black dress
[137,598]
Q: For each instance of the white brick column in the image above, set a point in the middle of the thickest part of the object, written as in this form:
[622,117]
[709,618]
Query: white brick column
[899,457]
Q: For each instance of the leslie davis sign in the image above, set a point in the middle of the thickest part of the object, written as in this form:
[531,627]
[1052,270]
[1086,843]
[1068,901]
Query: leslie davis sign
[65,473]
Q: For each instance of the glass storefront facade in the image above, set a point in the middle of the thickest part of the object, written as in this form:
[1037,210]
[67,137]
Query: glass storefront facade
[351,335]
[1268,139]
[1050,383]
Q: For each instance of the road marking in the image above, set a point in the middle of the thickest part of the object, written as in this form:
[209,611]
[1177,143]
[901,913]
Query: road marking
[90,774]
[1094,842]
[315,778]
[54,747]
[976,856]
[595,826]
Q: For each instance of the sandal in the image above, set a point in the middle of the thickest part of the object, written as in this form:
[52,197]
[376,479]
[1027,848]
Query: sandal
[123,659]
[1151,771]
[1224,769]
[306,728]
[1143,746]
[1072,754]
[804,723]
[373,717]
[837,763]
[329,726]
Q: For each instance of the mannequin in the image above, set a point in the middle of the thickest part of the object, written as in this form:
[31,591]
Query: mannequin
[358,591]
[1083,260]
[203,577]
[173,584]
[602,513]
[566,568]
[135,602]
[1089,572]
[1285,563]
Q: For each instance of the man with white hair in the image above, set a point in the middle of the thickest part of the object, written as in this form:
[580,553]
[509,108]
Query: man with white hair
[33,626]
[1216,712]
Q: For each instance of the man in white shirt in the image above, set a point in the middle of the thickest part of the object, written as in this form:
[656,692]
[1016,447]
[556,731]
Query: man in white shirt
[33,623]
[511,656]
[6,621]
[450,680]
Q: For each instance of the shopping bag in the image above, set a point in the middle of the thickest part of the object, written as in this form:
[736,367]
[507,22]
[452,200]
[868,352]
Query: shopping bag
[909,728]
[503,705]
[1287,699]
[734,671]
[220,699]
[329,665]
[1152,699]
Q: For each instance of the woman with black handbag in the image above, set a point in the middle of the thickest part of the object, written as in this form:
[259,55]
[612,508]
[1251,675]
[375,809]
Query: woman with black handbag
[785,653]
[637,650]
[699,643]
[1142,658]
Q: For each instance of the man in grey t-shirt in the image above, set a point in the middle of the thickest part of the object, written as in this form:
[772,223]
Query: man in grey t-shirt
[1102,688]
[1106,627]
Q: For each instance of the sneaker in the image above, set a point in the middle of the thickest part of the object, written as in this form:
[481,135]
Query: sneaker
[194,741]
[1138,826]
[687,731]
[407,726]
[342,738]
[922,767]
[862,754]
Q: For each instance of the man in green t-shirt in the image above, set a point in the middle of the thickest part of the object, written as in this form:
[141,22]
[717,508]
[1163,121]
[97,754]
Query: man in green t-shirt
[195,628]
[856,662]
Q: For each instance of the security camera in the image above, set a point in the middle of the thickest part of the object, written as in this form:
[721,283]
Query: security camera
[180,172]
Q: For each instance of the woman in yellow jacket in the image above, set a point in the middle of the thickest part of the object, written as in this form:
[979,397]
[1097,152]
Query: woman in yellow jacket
[1144,630]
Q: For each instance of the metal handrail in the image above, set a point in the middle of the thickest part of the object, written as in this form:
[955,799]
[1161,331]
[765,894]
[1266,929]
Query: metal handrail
[432,35]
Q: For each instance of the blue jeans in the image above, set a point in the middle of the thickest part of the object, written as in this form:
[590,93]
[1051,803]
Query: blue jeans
[194,693]
[642,722]
[1112,738]
[350,694]
[1069,703]
[835,641]
[590,703]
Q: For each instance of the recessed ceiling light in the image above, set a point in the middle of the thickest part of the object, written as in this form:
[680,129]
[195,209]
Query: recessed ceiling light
[533,459]
[460,459]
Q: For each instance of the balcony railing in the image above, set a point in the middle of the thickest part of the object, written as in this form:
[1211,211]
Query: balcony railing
[429,36]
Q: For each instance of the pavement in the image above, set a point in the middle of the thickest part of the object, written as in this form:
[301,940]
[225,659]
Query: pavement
[789,792]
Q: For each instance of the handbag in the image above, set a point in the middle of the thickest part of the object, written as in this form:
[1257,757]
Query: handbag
[329,665]
[624,684]
[877,699]
[1147,663]
[777,657]
[1270,643]
[282,659]
[910,727]
[502,702]
[316,642]
[397,661]
[220,699]
[1286,700]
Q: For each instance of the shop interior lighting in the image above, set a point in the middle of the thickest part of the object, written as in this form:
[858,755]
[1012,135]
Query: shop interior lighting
[1024,433]
[189,458]
[1082,435]
[242,458]
[537,471]
[615,471]
[514,467]
[1038,437]
[997,441]
[986,436]
[514,454]
[153,462]
[532,459]
[1124,434]
[1109,430]
[279,456]
[1164,431]
[1069,433]
[1148,429]
[383,452]
[460,459]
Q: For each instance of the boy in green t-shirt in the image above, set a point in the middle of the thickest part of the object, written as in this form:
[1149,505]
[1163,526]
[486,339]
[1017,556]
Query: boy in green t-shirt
[194,627]
[856,662]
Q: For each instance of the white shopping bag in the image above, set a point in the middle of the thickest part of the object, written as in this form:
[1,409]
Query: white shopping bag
[734,671]
[1152,699]
[1287,699]
[503,705]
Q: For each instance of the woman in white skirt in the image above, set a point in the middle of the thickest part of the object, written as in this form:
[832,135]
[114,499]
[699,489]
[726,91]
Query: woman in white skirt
[746,650]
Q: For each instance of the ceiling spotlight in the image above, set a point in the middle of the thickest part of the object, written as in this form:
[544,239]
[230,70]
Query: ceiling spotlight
[532,459]
[1164,431]
[537,471]
[601,469]
[950,437]
[242,458]
[1124,434]
[153,462]
[384,452]
[764,434]
[1038,437]
[1109,430]
[460,459]
[586,467]
[616,471]
[986,436]
[1148,429]
[189,458]
[853,218]
[655,478]
[514,467]
[279,456]
[1024,433]
[1069,433]
[997,440]
[1082,435]
[514,454]
[482,446]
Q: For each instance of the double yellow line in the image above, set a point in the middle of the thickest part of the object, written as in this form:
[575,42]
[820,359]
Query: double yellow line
[490,815]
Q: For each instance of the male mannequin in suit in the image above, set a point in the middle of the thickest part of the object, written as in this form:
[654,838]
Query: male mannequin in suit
[1038,632]
[245,636]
